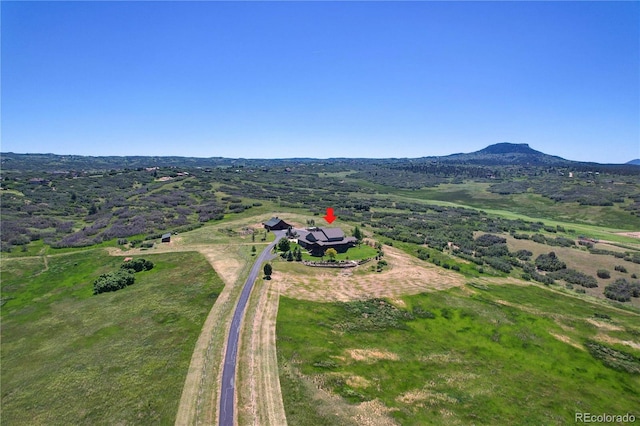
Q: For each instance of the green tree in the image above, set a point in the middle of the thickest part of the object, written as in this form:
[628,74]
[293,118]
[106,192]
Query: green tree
[268,269]
[284,245]
[357,234]
[332,253]
[253,250]
[289,256]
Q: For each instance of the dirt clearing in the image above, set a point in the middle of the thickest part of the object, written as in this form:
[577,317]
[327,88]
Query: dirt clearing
[405,276]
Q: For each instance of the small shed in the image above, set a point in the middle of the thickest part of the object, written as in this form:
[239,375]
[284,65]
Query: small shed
[275,223]
[166,238]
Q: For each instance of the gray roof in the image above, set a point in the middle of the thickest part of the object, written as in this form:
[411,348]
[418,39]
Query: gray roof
[333,233]
[273,221]
[167,235]
[324,235]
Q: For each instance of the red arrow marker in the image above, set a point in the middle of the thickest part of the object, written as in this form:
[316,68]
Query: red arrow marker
[330,217]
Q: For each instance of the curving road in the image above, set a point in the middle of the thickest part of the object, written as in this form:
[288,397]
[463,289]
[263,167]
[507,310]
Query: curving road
[227,390]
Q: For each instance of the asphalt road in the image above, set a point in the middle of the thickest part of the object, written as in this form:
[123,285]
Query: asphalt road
[227,391]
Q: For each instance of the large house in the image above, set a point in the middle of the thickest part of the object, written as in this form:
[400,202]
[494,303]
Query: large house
[317,240]
[275,224]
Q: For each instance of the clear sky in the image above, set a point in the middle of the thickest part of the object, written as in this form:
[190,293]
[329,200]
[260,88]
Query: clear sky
[321,79]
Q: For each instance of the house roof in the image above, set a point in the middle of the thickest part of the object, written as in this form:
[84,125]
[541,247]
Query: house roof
[333,233]
[324,236]
[167,235]
[273,221]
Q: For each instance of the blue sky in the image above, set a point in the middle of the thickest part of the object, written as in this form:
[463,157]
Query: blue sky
[321,79]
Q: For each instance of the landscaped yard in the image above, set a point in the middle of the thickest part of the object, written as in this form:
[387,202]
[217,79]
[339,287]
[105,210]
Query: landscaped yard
[360,252]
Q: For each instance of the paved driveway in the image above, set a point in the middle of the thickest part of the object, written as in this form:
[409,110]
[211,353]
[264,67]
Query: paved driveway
[227,391]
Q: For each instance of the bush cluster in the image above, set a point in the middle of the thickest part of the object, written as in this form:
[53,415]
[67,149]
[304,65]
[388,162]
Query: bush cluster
[622,290]
[574,277]
[113,281]
[117,280]
[613,358]
[549,262]
[138,265]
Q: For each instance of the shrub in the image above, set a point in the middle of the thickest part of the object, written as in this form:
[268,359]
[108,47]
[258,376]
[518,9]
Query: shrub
[539,238]
[622,290]
[498,264]
[418,312]
[614,358]
[549,262]
[523,254]
[561,241]
[574,277]
[603,273]
[138,265]
[487,240]
[496,250]
[620,268]
[113,281]
[284,245]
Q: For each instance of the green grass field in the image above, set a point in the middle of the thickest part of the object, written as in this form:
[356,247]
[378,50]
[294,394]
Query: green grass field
[355,253]
[505,355]
[526,206]
[69,357]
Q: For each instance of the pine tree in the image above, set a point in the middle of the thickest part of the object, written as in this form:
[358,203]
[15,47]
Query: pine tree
[357,234]
[268,269]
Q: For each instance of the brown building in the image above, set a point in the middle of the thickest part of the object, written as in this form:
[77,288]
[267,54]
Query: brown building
[317,240]
[276,224]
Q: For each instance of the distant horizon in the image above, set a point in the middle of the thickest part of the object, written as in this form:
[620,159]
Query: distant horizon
[302,158]
[320,79]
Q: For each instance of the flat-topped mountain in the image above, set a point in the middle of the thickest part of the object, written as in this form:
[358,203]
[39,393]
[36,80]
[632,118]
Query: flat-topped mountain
[506,153]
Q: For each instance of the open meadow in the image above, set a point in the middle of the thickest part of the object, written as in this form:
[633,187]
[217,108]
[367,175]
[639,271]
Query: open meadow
[502,354]
[71,357]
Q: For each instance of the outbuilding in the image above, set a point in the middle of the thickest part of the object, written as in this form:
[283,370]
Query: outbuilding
[276,224]
[166,238]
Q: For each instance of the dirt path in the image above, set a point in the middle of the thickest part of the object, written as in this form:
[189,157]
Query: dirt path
[264,404]
[199,400]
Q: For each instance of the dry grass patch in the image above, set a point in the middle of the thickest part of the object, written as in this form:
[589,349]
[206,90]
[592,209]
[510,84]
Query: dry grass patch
[445,358]
[371,355]
[567,340]
[608,339]
[419,398]
[373,413]
[406,275]
[358,382]
[604,325]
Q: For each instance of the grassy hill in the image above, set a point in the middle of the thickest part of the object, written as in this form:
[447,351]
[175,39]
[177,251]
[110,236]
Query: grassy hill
[69,357]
